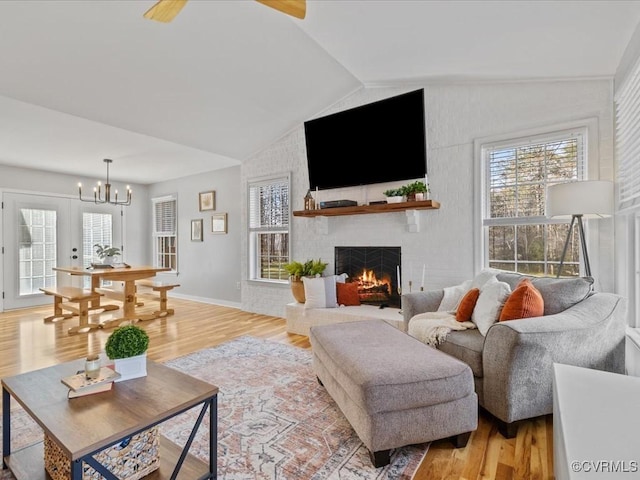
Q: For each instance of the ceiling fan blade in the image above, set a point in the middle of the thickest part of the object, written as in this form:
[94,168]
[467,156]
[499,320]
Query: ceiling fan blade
[295,8]
[165,10]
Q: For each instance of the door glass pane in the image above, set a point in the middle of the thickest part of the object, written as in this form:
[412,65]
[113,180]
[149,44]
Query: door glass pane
[36,249]
[96,228]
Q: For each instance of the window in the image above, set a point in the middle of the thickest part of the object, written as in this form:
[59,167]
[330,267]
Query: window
[269,214]
[165,238]
[516,234]
[627,143]
[37,247]
[96,228]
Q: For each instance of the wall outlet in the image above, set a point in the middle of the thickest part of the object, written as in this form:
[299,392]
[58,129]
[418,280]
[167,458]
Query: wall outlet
[238,285]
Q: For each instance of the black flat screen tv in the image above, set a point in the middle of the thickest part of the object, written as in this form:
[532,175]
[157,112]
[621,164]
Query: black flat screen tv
[383,141]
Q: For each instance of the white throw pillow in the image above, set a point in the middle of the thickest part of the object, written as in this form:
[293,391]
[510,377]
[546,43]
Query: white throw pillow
[320,292]
[493,294]
[452,296]
[483,277]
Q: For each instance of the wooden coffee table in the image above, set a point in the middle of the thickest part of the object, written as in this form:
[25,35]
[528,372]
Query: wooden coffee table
[82,427]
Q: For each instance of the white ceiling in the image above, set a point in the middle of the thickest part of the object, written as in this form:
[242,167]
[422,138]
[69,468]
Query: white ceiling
[83,80]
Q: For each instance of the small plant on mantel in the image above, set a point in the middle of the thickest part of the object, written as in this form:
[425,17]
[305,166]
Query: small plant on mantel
[394,192]
[416,187]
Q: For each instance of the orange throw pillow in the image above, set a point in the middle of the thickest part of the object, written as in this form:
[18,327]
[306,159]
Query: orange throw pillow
[524,302]
[348,294]
[467,304]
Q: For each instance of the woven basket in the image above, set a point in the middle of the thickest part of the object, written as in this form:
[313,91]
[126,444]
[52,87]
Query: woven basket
[131,459]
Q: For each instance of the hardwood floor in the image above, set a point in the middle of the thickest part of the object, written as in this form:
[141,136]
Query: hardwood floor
[27,343]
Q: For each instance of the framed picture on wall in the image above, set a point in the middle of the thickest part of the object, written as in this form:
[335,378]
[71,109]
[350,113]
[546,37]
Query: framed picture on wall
[207,201]
[219,223]
[196,230]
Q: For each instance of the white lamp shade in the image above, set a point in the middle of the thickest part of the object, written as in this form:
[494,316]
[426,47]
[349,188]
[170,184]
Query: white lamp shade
[591,199]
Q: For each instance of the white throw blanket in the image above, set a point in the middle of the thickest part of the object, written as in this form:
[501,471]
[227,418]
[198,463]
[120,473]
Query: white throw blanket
[432,328]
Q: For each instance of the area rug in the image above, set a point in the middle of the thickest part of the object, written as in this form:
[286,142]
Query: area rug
[275,421]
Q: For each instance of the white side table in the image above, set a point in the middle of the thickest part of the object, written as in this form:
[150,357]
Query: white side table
[595,424]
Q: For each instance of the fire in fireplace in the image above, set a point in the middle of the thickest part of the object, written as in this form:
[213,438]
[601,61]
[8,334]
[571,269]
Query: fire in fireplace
[374,269]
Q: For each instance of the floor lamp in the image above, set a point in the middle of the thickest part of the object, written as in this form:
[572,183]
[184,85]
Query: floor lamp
[578,201]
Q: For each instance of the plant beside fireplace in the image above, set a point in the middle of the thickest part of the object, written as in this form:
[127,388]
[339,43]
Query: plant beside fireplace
[310,268]
[297,270]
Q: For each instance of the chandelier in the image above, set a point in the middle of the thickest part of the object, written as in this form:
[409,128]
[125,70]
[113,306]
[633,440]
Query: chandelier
[97,192]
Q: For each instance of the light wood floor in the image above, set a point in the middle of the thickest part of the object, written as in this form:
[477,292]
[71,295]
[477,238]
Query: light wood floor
[26,343]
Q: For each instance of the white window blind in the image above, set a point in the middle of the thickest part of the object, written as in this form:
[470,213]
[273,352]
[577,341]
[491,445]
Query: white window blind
[269,211]
[96,228]
[165,232]
[164,219]
[519,173]
[269,204]
[627,137]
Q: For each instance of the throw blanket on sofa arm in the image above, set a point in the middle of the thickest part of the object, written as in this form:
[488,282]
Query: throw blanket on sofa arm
[432,328]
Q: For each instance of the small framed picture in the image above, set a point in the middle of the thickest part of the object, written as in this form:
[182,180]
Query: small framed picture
[196,230]
[219,223]
[207,201]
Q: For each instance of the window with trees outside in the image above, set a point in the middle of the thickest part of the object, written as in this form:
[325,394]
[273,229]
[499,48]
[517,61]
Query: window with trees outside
[165,232]
[517,236]
[269,213]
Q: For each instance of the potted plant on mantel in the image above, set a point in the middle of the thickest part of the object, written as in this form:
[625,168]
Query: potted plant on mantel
[297,270]
[415,191]
[127,347]
[394,195]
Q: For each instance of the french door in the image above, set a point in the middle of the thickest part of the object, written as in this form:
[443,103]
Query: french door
[40,232]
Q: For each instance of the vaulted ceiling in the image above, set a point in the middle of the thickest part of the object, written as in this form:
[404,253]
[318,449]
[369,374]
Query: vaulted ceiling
[84,80]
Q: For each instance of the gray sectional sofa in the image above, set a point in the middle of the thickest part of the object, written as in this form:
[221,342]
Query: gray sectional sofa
[512,364]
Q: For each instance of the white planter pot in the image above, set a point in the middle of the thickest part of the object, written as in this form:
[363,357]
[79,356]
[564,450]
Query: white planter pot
[397,199]
[131,367]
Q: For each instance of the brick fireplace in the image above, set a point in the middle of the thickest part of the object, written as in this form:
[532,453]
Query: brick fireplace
[376,271]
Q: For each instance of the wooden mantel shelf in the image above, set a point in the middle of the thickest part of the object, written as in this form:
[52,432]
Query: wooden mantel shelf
[366,209]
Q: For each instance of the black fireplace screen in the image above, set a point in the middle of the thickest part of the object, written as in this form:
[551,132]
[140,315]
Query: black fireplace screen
[375,269]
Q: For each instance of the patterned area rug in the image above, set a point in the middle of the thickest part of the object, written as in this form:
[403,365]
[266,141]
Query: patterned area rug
[275,421]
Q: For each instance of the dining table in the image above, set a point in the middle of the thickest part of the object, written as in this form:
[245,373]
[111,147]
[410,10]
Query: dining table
[128,274]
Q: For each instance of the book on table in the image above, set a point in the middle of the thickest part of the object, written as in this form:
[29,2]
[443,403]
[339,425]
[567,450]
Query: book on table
[80,385]
[101,387]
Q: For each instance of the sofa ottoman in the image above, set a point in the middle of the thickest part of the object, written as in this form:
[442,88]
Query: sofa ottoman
[393,389]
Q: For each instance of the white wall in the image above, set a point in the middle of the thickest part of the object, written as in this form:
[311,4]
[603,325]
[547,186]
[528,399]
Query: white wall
[136,215]
[208,271]
[456,116]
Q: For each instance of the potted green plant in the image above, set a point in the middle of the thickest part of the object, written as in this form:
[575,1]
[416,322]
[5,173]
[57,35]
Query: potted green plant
[297,270]
[413,190]
[127,347]
[394,195]
[106,253]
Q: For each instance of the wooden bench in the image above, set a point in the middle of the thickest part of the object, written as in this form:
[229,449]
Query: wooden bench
[116,293]
[62,296]
[162,288]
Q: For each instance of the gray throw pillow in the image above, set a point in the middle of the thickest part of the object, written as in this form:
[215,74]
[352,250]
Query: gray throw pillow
[558,293]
